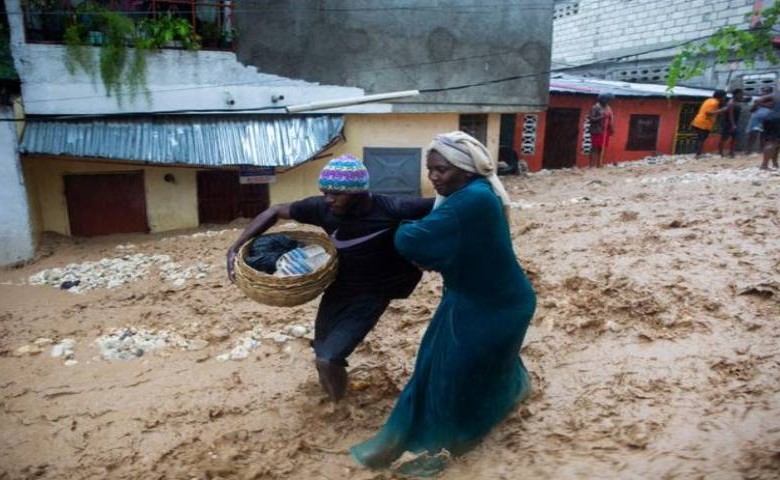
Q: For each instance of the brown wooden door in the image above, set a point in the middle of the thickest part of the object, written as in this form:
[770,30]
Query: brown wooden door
[560,138]
[102,204]
[222,198]
[252,199]
[217,196]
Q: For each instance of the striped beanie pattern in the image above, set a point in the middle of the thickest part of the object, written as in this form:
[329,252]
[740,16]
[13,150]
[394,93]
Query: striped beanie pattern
[344,174]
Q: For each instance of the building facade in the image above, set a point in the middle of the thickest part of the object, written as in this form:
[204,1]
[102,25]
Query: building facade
[635,40]
[169,157]
[648,121]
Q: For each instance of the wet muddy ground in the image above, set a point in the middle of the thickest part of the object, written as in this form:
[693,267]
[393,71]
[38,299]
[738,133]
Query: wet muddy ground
[654,351]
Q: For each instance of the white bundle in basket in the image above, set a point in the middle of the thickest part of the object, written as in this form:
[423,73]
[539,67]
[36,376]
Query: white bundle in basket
[301,261]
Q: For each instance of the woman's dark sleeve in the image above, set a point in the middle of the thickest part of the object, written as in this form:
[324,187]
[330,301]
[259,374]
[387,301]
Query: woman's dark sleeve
[409,208]
[432,241]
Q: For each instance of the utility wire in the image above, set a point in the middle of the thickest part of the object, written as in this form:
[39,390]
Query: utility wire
[473,8]
[422,90]
[421,64]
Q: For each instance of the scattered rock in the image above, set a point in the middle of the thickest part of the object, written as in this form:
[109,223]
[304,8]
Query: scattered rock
[27,350]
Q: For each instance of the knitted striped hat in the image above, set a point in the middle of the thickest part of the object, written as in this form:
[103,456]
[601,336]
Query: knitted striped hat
[344,174]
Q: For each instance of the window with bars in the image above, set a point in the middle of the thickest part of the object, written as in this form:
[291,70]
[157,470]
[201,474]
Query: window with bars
[643,132]
[212,20]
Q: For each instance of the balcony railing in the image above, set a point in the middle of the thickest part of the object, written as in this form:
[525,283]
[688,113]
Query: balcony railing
[46,21]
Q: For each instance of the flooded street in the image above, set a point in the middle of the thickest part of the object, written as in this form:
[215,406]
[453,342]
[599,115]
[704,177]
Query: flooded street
[654,350]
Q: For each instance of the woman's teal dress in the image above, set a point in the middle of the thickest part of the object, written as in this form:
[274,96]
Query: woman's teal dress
[468,375]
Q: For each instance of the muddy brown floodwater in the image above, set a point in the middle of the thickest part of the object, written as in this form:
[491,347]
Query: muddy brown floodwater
[654,351]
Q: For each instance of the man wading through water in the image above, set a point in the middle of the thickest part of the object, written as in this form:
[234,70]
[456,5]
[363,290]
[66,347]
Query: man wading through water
[361,225]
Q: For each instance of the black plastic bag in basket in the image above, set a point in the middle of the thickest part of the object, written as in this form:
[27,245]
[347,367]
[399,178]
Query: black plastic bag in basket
[265,250]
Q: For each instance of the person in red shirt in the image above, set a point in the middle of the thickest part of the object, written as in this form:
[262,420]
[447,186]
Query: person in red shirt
[601,128]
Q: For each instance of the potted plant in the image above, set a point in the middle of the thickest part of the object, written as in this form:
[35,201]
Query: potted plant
[123,44]
[168,31]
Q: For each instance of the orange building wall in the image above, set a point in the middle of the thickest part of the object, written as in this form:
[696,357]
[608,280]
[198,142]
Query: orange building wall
[623,108]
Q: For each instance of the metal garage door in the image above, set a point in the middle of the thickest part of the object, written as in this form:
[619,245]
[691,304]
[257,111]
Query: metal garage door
[106,203]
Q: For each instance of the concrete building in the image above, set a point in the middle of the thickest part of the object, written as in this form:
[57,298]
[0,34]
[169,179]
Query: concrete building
[648,121]
[170,158]
[635,40]
[16,233]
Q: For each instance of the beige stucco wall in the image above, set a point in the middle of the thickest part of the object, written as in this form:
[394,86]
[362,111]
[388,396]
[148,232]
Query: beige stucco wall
[173,206]
[33,198]
[386,130]
[169,206]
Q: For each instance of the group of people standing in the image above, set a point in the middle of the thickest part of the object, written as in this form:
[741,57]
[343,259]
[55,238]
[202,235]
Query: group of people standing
[719,110]
[763,128]
[468,374]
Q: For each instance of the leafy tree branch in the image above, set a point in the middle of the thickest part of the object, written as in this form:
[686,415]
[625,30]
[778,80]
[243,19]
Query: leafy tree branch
[728,44]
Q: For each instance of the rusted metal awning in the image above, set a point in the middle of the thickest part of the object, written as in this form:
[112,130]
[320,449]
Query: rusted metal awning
[272,141]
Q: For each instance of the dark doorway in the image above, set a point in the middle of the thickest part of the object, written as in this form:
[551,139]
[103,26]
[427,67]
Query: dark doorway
[102,204]
[560,138]
[394,171]
[475,124]
[506,136]
[222,199]
[685,137]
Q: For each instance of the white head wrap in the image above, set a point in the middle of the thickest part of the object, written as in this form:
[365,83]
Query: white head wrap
[467,153]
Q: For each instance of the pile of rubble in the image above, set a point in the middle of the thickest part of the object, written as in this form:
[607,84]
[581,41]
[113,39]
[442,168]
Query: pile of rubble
[131,342]
[754,175]
[115,272]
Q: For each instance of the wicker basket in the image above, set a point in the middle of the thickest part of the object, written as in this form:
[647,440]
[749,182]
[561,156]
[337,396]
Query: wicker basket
[287,291]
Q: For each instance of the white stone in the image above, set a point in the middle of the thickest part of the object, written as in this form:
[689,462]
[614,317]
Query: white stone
[239,353]
[27,350]
[197,344]
[280,337]
[297,331]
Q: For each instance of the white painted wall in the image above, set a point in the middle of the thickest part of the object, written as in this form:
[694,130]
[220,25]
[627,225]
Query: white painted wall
[607,28]
[16,238]
[635,40]
[176,79]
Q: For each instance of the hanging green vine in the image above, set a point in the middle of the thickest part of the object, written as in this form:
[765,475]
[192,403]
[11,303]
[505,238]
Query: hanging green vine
[122,45]
[727,44]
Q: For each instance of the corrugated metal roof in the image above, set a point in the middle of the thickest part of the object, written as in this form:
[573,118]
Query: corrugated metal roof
[562,83]
[196,140]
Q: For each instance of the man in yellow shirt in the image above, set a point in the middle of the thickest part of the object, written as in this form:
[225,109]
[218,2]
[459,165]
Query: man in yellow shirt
[705,119]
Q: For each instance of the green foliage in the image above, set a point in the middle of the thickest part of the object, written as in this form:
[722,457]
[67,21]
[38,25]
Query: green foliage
[123,45]
[7,70]
[166,30]
[727,44]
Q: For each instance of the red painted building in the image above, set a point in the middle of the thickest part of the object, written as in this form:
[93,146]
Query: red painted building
[648,120]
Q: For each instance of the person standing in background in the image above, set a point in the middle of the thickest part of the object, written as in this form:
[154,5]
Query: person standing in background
[601,121]
[728,128]
[755,128]
[705,118]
